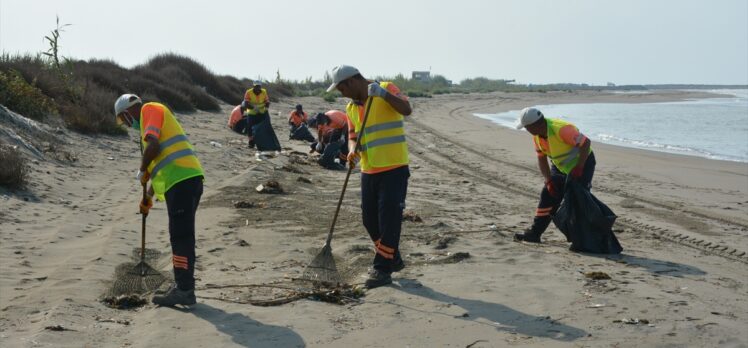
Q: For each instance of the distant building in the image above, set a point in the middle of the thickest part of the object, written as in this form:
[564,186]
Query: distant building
[611,84]
[423,76]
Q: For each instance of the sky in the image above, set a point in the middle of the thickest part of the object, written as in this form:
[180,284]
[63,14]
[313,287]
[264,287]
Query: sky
[531,41]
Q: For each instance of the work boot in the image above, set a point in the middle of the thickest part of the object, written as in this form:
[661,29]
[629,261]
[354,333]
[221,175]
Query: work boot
[527,236]
[251,144]
[175,297]
[378,278]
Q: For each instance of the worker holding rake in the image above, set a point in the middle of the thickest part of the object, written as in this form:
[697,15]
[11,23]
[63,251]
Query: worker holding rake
[384,163]
[176,177]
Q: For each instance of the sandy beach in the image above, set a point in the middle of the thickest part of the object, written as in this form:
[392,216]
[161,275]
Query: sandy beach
[681,280]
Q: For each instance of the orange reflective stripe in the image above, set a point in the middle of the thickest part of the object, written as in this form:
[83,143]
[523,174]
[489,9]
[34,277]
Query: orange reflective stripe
[385,255]
[385,248]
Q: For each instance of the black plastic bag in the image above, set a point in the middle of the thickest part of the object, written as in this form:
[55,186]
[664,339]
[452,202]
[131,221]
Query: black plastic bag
[329,154]
[264,137]
[301,133]
[586,222]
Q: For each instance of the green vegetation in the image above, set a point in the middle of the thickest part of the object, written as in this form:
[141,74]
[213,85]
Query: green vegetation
[24,98]
[13,172]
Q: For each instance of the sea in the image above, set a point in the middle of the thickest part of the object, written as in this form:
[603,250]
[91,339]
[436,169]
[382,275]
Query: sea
[715,128]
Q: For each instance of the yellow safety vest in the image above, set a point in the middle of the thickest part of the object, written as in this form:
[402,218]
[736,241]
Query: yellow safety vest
[176,161]
[258,101]
[563,155]
[383,140]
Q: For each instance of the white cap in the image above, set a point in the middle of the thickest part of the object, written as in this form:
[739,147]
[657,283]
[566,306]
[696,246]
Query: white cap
[124,102]
[257,83]
[341,73]
[528,116]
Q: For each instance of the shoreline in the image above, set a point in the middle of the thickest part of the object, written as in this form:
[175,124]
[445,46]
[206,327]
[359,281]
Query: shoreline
[702,95]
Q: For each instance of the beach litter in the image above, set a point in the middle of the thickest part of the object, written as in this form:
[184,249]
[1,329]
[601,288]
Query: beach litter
[444,242]
[304,180]
[597,275]
[129,301]
[270,187]
[411,216]
[632,321]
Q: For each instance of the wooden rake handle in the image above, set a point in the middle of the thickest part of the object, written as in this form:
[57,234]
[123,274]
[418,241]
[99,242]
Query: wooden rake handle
[348,175]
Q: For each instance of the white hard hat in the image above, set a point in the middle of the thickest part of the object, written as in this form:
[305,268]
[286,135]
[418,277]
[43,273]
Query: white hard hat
[341,73]
[528,116]
[124,102]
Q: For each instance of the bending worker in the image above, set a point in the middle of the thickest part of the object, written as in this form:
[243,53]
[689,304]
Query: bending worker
[238,120]
[256,102]
[176,176]
[570,153]
[297,117]
[384,163]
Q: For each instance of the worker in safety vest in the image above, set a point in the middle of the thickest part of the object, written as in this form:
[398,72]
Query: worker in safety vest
[169,162]
[331,126]
[238,120]
[570,153]
[256,102]
[384,163]
[297,117]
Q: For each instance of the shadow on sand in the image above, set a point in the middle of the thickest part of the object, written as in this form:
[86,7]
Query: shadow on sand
[245,331]
[508,319]
[663,268]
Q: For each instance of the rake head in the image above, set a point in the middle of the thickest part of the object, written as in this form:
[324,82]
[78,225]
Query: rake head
[322,269]
[135,278]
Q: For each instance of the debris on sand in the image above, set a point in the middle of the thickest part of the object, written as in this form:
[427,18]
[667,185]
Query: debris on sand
[444,242]
[272,187]
[241,243]
[304,180]
[243,205]
[124,301]
[112,320]
[292,169]
[632,321]
[452,258]
[57,328]
[411,216]
[597,275]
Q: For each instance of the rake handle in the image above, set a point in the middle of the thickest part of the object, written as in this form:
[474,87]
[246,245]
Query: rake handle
[348,175]
[142,228]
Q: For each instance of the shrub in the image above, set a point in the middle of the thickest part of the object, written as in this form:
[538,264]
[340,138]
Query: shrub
[197,73]
[22,97]
[418,94]
[13,172]
[329,97]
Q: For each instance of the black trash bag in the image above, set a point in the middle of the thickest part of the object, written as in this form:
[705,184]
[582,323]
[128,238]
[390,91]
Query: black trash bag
[301,133]
[329,154]
[586,222]
[264,137]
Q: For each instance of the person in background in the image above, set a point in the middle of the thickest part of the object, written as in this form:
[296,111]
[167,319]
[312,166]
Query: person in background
[384,163]
[256,102]
[176,176]
[238,120]
[570,153]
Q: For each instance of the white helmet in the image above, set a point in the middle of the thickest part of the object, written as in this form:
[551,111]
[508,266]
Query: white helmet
[528,116]
[124,102]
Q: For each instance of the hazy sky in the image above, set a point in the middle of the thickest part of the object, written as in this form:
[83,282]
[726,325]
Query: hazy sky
[538,41]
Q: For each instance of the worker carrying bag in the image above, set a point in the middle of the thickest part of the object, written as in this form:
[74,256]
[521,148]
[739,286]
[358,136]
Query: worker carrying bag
[586,222]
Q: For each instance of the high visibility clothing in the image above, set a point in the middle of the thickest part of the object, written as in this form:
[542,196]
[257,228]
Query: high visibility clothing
[297,119]
[236,115]
[383,144]
[176,160]
[338,121]
[562,144]
[257,101]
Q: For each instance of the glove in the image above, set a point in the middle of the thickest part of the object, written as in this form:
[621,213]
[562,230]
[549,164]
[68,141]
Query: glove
[146,205]
[375,90]
[143,177]
[577,172]
[353,158]
[551,188]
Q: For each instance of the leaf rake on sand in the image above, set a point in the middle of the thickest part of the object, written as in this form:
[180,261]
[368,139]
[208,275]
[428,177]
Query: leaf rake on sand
[322,269]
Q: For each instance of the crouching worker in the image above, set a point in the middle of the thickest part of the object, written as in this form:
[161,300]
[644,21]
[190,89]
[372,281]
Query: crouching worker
[297,121]
[332,142]
[384,163]
[570,153]
[238,121]
[176,177]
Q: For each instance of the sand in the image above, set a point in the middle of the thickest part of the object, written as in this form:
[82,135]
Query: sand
[681,280]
